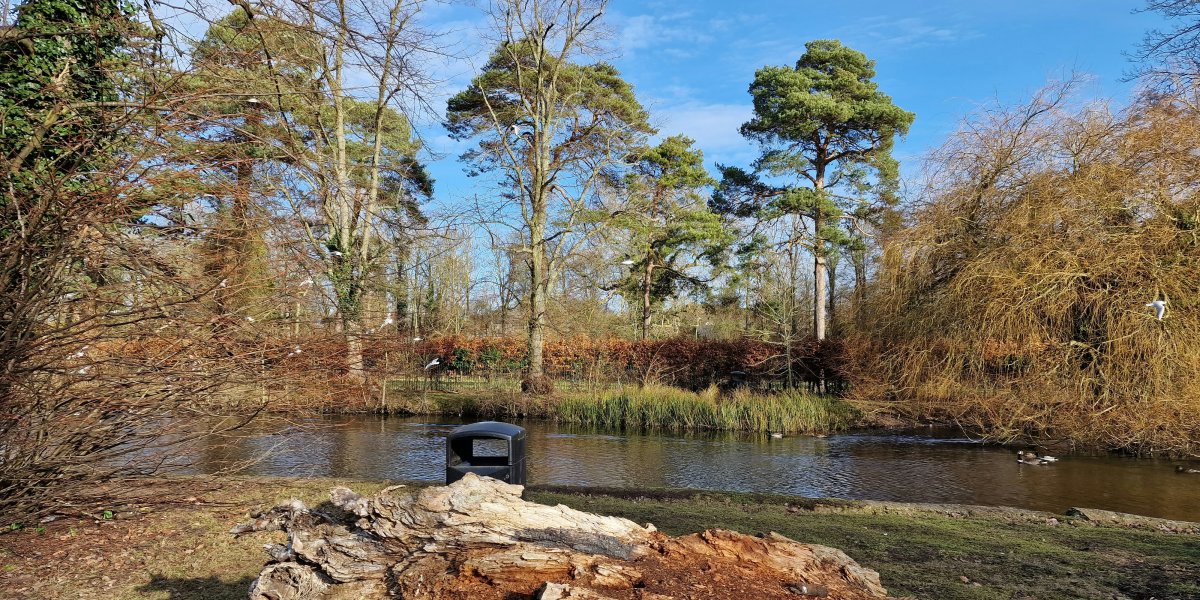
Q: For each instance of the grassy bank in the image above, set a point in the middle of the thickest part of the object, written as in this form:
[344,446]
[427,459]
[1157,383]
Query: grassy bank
[651,406]
[177,547]
[673,408]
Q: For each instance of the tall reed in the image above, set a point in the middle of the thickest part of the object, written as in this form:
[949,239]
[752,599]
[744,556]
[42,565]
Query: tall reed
[658,406]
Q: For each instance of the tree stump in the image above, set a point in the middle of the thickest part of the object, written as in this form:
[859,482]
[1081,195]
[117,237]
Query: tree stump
[477,539]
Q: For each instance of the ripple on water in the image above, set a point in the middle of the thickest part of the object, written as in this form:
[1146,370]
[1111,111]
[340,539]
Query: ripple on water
[907,466]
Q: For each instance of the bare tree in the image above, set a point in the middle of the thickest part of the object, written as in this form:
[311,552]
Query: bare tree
[110,360]
[1171,56]
[350,157]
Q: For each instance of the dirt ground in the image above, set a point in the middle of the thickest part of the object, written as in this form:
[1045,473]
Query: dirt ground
[168,539]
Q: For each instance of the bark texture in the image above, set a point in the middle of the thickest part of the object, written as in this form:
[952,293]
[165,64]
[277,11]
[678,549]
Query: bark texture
[477,539]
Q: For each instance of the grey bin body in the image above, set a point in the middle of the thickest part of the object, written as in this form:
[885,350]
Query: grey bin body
[462,458]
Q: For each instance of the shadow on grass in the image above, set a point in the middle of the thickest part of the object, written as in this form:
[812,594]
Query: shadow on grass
[198,588]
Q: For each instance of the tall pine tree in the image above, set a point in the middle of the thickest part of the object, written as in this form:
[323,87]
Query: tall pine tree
[826,133]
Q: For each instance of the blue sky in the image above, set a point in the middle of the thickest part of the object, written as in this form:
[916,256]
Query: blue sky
[691,62]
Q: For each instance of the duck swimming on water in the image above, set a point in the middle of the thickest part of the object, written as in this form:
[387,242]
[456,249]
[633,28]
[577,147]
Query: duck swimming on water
[1182,469]
[1029,458]
[1030,454]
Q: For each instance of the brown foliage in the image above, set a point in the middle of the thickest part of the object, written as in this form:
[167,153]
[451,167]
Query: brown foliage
[537,385]
[1017,300]
[682,361]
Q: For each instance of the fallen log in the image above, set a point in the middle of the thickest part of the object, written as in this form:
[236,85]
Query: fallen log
[477,539]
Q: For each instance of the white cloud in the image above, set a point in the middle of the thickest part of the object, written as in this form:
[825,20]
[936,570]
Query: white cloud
[714,126]
[676,32]
[443,145]
[911,32]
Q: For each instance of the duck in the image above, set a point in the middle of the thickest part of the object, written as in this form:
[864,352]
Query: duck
[776,434]
[1035,455]
[1029,458]
[1182,469]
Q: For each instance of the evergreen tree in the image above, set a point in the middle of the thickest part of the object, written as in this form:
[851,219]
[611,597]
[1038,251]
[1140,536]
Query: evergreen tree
[667,221]
[826,133]
[551,127]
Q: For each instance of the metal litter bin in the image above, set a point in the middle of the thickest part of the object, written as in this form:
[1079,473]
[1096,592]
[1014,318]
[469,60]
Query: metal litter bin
[488,449]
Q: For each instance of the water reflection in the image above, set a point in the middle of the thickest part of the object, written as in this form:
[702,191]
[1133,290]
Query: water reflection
[907,468]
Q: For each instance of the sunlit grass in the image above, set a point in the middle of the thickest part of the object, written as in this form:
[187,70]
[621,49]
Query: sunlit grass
[658,406]
[650,406]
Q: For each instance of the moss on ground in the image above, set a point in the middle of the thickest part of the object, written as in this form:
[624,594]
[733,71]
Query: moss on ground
[926,554]
[168,540]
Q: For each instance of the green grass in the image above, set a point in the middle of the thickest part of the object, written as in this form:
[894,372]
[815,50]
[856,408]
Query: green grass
[924,553]
[666,407]
[180,549]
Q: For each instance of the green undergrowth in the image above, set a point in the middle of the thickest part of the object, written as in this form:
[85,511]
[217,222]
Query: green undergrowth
[650,406]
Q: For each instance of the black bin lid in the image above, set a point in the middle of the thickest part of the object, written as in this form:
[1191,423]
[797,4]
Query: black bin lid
[488,429]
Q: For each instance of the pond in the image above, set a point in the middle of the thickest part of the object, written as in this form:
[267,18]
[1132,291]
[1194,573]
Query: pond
[922,466]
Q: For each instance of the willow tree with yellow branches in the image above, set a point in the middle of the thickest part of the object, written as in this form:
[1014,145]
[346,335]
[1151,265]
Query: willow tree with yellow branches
[1016,301]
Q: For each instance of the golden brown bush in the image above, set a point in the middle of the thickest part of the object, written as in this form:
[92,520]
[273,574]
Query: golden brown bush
[1016,300]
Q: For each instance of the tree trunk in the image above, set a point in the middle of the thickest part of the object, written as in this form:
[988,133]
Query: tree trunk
[646,283]
[819,292]
[538,289]
[831,270]
[859,260]
[355,369]
[503,314]
[820,295]
[478,540]
[349,274]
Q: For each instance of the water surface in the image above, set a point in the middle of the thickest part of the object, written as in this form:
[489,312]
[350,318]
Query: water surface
[906,467]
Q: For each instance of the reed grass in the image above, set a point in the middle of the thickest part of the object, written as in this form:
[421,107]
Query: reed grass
[659,406]
[650,406]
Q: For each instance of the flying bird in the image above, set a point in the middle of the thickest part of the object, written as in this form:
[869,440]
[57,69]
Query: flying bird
[433,363]
[417,339]
[627,262]
[250,319]
[1160,308]
[335,253]
[386,322]
[295,351]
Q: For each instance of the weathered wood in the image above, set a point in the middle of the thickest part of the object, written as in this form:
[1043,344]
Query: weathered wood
[477,539]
